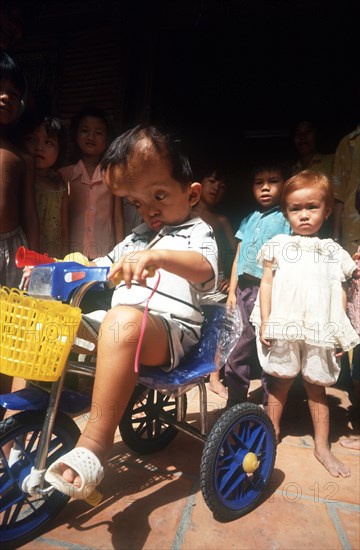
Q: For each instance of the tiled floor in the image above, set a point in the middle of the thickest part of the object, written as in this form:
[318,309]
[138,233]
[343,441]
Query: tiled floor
[154,502]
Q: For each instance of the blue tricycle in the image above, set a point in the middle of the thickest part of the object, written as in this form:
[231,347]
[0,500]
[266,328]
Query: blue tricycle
[239,450]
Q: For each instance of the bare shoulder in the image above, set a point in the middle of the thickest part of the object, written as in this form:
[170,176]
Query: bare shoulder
[13,167]
[10,155]
[224,223]
[214,220]
[13,173]
[222,219]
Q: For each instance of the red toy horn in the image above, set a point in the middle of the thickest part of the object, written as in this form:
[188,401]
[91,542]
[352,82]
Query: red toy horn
[25,257]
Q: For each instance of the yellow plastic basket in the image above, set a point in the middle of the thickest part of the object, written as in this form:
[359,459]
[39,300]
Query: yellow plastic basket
[36,335]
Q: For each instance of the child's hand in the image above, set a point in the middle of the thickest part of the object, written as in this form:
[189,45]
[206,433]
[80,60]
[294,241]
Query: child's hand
[136,266]
[264,340]
[356,258]
[26,276]
[224,286]
[339,352]
[231,300]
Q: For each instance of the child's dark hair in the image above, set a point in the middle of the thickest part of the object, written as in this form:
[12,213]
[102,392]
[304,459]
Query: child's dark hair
[53,127]
[208,169]
[10,70]
[270,165]
[164,144]
[89,111]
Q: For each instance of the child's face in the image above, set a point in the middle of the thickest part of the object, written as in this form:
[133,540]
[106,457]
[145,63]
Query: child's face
[306,211]
[149,186]
[43,147]
[91,136]
[10,102]
[267,188]
[213,190]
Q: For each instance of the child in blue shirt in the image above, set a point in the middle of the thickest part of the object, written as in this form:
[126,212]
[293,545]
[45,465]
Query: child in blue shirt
[260,225]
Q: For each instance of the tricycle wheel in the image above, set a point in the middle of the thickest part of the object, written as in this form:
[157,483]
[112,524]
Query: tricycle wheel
[141,427]
[237,461]
[22,515]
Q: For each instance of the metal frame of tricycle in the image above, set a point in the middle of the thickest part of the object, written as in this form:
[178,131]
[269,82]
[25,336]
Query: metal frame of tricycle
[216,492]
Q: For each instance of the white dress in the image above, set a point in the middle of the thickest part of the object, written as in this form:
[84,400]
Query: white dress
[306,301]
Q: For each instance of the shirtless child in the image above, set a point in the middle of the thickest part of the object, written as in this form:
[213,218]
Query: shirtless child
[18,219]
[213,188]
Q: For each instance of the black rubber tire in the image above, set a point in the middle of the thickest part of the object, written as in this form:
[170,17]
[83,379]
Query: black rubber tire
[227,489]
[23,516]
[140,427]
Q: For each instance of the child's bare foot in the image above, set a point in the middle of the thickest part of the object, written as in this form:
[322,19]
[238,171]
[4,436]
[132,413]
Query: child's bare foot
[352,442]
[217,387]
[334,466]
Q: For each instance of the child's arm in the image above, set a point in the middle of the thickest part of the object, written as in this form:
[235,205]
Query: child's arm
[118,217]
[356,258]
[231,300]
[29,217]
[188,264]
[229,234]
[344,296]
[265,298]
[338,352]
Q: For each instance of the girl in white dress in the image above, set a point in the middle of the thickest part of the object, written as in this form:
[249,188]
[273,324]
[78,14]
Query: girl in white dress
[301,314]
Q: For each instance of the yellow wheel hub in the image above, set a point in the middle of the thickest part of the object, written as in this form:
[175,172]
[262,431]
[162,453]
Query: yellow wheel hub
[250,463]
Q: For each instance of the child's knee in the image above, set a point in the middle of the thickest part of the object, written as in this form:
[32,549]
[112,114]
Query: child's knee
[122,325]
[122,314]
[280,385]
[314,391]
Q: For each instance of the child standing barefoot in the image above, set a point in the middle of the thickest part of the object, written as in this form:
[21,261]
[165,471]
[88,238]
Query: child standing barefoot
[304,327]
[44,141]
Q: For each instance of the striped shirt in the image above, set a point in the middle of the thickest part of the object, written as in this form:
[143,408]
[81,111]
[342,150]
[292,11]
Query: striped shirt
[175,298]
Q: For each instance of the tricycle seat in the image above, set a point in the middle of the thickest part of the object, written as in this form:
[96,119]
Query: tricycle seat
[189,372]
[197,364]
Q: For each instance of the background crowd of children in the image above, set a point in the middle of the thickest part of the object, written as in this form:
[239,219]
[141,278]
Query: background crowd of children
[58,205]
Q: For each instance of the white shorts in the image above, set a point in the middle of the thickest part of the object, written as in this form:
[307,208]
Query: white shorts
[286,359]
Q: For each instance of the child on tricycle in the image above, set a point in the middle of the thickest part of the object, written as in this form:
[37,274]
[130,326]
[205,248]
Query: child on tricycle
[148,168]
